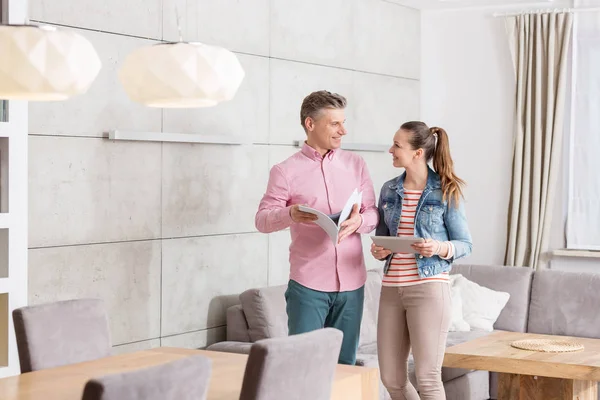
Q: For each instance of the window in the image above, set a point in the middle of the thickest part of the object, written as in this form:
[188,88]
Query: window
[583,218]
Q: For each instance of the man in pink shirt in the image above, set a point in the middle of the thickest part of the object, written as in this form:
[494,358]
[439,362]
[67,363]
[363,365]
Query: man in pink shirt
[326,286]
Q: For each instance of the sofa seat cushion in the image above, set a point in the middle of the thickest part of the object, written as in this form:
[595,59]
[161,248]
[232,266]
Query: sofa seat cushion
[368,348]
[231,347]
[455,338]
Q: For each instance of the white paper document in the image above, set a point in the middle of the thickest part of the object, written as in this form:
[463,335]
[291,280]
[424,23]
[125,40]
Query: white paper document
[396,244]
[331,223]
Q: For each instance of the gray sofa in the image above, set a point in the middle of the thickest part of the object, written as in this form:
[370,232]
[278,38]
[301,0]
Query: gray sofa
[550,302]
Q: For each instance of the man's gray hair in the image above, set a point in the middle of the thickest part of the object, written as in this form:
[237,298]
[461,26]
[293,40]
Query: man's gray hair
[316,101]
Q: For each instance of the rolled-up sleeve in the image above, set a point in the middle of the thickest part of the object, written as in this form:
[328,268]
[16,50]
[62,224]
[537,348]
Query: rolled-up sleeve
[458,230]
[368,210]
[273,211]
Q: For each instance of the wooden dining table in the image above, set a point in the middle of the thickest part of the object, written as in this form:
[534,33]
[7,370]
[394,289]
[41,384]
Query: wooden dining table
[67,382]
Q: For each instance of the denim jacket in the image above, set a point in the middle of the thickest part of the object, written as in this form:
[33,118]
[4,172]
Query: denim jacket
[434,218]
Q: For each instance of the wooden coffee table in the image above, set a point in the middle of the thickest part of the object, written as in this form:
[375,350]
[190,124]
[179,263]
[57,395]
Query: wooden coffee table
[531,375]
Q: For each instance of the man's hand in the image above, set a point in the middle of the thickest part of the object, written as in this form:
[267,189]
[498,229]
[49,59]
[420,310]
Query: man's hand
[349,226]
[301,216]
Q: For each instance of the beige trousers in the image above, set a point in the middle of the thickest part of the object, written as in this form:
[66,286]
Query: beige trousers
[416,317]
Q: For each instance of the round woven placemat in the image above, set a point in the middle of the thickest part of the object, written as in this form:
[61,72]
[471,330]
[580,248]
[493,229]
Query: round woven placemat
[547,345]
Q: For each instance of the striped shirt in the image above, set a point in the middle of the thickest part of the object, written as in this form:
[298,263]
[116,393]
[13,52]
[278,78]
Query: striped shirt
[403,267]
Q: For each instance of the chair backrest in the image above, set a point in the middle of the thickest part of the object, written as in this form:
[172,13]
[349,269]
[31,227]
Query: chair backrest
[296,367]
[184,379]
[61,333]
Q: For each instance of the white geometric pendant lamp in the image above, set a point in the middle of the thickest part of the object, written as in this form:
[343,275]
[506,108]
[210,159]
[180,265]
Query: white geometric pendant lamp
[42,63]
[181,75]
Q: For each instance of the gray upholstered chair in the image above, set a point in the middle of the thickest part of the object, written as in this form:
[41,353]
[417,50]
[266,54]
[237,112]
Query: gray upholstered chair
[296,367]
[184,379]
[61,333]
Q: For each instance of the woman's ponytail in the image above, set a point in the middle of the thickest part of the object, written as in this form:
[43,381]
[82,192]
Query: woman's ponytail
[444,166]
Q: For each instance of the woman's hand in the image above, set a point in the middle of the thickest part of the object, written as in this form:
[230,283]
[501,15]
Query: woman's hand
[428,247]
[379,252]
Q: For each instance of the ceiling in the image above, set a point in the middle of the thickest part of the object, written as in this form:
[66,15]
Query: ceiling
[457,4]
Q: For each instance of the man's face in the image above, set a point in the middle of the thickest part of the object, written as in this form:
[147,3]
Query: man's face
[327,129]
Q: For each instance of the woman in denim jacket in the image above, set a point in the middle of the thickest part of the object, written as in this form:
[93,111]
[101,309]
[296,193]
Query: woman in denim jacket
[415,304]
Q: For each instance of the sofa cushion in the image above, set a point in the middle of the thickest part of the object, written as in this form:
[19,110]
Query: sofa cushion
[481,306]
[516,281]
[565,303]
[457,322]
[237,326]
[265,313]
[368,327]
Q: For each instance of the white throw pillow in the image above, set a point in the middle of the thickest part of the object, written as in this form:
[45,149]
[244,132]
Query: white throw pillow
[458,324]
[481,306]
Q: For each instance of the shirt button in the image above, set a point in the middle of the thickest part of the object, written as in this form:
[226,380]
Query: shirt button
[430,208]
[426,273]
[420,256]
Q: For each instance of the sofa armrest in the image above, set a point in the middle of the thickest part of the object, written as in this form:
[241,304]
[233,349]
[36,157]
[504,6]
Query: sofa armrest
[231,347]
[237,326]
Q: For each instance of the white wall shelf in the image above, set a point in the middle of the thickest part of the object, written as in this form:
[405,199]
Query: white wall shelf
[175,137]
[219,139]
[355,146]
[576,253]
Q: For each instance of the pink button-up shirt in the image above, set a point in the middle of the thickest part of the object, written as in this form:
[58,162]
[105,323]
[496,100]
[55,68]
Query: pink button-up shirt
[323,183]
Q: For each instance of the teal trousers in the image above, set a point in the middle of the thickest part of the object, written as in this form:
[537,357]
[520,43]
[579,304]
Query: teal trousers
[309,310]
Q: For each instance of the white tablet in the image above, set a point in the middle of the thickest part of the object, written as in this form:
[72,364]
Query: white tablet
[396,244]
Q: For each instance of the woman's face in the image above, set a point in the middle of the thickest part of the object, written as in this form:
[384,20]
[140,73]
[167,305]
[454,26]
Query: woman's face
[402,153]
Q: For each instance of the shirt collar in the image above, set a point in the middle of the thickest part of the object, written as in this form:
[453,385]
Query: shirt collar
[433,181]
[314,154]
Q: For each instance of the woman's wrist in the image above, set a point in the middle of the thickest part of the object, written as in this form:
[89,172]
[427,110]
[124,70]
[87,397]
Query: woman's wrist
[442,250]
[439,248]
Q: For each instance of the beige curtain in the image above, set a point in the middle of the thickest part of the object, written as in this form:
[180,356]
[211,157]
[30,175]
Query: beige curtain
[539,46]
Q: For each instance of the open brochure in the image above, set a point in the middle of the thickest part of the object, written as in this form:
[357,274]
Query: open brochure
[331,223]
